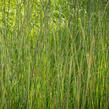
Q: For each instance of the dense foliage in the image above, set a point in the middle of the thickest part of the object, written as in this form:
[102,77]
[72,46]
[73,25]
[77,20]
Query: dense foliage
[54,54]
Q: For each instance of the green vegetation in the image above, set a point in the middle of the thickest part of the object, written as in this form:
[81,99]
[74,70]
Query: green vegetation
[54,54]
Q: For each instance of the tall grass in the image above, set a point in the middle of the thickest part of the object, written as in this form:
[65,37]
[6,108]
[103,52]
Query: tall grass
[54,54]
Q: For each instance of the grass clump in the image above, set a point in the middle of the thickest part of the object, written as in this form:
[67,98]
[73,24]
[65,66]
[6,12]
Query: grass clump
[54,54]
